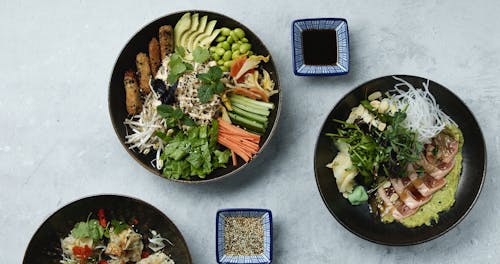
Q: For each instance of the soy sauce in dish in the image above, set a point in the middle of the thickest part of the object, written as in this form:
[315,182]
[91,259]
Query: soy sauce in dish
[319,46]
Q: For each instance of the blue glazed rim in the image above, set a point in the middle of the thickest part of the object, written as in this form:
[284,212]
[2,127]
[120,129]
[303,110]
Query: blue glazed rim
[264,211]
[319,69]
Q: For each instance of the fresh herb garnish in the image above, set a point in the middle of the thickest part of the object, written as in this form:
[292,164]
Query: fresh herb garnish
[200,55]
[211,84]
[380,153]
[177,66]
[89,229]
[118,226]
[174,117]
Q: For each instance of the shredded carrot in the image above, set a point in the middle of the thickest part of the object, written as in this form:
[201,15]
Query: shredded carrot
[235,160]
[246,92]
[239,141]
[261,93]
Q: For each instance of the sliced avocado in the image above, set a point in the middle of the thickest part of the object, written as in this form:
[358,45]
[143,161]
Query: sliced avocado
[205,43]
[208,31]
[201,28]
[194,26]
[182,26]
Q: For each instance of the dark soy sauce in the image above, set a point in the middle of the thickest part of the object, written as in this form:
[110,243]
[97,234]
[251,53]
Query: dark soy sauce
[319,47]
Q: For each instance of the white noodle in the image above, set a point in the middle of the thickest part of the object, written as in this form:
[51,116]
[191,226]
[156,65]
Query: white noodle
[423,113]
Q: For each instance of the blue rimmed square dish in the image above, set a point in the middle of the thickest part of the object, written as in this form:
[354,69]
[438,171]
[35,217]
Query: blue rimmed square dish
[342,44]
[266,220]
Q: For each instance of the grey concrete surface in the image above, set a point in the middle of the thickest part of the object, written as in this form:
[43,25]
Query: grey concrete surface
[57,143]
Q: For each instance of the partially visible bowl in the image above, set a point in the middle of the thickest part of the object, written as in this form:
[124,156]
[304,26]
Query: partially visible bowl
[45,245]
[339,25]
[267,226]
[126,61]
[358,219]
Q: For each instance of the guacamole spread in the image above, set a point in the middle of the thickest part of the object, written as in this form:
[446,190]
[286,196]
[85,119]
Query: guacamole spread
[441,200]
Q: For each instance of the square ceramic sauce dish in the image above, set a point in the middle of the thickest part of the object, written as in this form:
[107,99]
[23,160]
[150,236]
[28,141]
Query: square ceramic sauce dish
[244,236]
[320,46]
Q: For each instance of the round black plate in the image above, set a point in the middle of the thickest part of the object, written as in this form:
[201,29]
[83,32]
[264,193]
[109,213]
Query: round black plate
[45,246]
[357,219]
[139,43]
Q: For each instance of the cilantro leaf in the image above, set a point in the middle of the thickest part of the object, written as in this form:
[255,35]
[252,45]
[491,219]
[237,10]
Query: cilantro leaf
[205,93]
[174,117]
[180,50]
[211,84]
[90,229]
[204,77]
[188,121]
[118,226]
[200,54]
[178,68]
[219,88]
[215,73]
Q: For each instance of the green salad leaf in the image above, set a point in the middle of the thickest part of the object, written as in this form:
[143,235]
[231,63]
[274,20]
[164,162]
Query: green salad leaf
[193,153]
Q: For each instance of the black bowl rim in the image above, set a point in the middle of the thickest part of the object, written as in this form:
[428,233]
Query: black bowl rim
[235,171]
[112,195]
[434,236]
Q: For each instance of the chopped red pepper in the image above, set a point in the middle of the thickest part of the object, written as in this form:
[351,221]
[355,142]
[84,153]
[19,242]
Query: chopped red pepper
[102,218]
[145,254]
[135,221]
[83,253]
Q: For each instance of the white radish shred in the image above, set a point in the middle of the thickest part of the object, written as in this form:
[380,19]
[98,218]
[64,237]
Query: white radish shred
[156,241]
[423,114]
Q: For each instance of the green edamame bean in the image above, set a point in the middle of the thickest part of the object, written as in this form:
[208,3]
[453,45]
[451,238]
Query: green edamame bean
[227,55]
[225,31]
[219,45]
[220,62]
[230,40]
[226,45]
[228,64]
[220,51]
[212,49]
[239,32]
[244,40]
[235,55]
[245,47]
[220,38]
[235,47]
[224,68]
[215,56]
[234,36]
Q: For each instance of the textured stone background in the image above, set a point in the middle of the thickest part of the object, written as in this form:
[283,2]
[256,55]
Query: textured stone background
[57,143]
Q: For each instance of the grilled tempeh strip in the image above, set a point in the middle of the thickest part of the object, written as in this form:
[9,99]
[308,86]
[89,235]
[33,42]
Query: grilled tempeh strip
[132,95]
[154,55]
[166,40]
[142,63]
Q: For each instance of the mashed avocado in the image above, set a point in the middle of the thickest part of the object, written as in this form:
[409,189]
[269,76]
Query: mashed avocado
[441,200]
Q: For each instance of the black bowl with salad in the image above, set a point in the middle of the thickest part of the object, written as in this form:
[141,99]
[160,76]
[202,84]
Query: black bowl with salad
[400,160]
[107,229]
[194,96]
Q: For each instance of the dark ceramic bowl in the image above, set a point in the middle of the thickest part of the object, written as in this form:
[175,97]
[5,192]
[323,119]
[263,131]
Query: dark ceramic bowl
[357,219]
[139,43]
[45,246]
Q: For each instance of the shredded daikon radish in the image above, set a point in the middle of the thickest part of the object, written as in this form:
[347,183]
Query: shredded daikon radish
[156,241]
[423,113]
